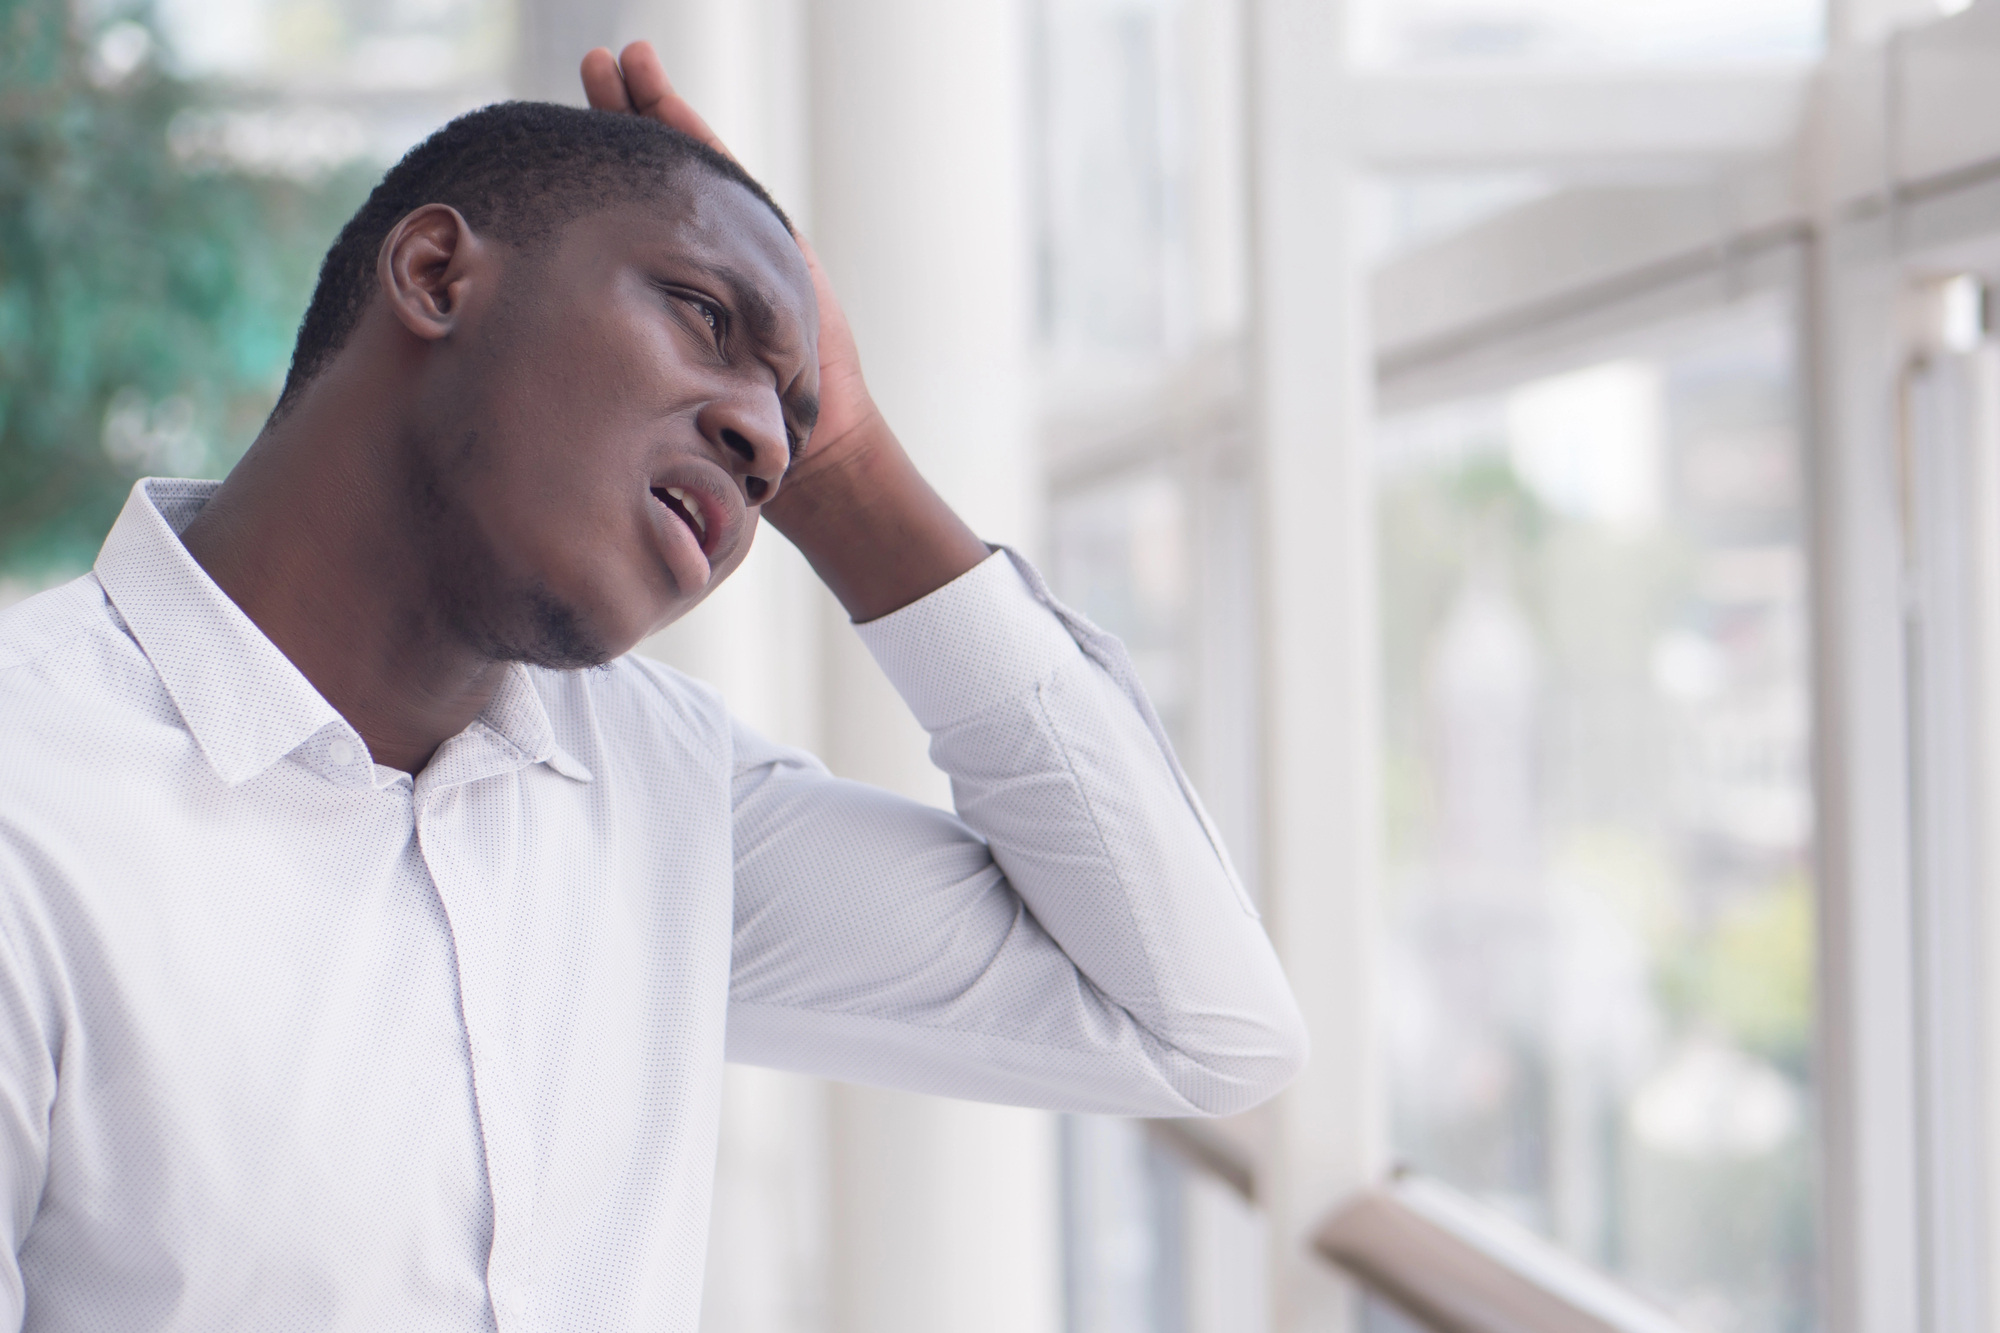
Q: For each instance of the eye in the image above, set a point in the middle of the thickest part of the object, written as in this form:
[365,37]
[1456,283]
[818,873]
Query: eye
[709,312]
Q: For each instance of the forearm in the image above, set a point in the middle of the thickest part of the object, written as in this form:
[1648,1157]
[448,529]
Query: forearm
[873,529]
[1074,939]
[1058,763]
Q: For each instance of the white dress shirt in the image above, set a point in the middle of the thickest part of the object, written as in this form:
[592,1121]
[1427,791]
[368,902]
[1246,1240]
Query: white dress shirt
[291,1041]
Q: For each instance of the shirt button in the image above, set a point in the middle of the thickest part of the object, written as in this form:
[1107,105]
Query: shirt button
[517,1302]
[341,752]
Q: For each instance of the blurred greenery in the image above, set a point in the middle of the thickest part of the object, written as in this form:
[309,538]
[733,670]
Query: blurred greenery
[1751,976]
[1433,527]
[146,309]
[1595,600]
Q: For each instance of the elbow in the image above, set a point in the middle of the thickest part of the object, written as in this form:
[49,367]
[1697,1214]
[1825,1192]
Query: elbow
[1263,1062]
[1296,1050]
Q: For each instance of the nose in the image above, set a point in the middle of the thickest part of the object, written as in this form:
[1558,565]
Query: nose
[747,430]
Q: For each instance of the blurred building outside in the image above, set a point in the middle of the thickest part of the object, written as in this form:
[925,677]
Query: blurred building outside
[1543,455]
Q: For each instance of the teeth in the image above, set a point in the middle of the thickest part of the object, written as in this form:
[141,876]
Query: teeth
[692,509]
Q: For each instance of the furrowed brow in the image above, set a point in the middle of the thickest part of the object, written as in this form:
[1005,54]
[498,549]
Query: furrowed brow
[761,320]
[756,311]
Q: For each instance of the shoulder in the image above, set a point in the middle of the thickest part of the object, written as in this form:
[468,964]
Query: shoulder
[31,629]
[88,734]
[69,669]
[84,724]
[74,684]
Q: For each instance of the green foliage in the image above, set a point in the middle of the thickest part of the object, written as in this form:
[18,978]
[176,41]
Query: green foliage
[1750,977]
[1492,502]
[146,310]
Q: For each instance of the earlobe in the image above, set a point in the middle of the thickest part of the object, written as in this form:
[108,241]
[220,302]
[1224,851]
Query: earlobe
[428,262]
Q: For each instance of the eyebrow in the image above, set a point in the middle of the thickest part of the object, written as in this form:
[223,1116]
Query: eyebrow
[756,310]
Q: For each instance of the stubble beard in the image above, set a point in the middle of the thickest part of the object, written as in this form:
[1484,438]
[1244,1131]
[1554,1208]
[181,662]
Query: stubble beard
[501,620]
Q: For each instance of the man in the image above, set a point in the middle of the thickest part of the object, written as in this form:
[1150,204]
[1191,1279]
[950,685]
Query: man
[365,960]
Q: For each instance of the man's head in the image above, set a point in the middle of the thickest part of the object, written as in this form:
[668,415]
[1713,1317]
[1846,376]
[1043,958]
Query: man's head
[593,342]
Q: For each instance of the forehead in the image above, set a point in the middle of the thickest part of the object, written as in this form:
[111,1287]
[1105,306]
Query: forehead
[701,224]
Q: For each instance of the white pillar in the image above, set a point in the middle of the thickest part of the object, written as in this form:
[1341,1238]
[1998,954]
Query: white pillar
[1852,23]
[919,146]
[920,217]
[944,1215]
[740,62]
[1312,388]
[550,37]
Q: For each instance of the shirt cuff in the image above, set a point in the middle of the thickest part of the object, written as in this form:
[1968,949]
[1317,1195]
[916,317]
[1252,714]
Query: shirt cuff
[979,639]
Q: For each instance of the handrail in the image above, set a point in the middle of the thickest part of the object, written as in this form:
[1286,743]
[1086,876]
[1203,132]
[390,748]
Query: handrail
[1457,1266]
[1207,1150]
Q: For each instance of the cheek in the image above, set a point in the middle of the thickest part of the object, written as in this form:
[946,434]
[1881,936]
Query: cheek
[587,364]
[552,429]
[621,355]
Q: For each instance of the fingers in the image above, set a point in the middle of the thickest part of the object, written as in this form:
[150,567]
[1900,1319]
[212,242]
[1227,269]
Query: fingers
[603,85]
[645,77]
[652,95]
[636,81]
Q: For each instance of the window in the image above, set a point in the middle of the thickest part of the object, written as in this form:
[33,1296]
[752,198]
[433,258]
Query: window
[1598,1006]
[1140,234]
[1629,32]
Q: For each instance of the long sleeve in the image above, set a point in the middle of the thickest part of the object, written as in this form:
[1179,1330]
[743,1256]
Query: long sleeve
[1074,937]
[27,1081]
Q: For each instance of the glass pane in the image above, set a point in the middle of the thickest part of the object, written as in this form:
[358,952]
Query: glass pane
[1140,250]
[1120,559]
[1633,32]
[1599,1006]
[1403,211]
[1124,1230]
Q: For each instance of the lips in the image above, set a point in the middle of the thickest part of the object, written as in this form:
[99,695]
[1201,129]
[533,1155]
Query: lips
[687,523]
[687,508]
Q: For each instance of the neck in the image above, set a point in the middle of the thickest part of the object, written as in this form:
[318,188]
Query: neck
[312,536]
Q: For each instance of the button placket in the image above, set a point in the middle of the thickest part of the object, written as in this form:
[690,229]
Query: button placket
[471,894]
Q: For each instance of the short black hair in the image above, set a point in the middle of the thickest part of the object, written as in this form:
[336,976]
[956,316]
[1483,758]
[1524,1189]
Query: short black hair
[517,171]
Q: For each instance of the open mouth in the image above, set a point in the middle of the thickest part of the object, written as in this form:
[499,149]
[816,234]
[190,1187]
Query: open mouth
[686,508]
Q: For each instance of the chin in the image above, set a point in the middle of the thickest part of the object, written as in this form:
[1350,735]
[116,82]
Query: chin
[552,633]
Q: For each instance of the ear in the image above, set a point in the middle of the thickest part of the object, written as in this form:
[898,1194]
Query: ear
[429,263]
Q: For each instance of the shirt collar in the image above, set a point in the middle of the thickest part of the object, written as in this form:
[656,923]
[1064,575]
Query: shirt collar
[245,703]
[517,714]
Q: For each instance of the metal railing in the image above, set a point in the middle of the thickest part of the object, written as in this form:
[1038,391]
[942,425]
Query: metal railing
[1447,1261]
[1457,1266]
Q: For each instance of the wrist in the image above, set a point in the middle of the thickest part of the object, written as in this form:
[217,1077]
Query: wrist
[869,524]
[835,474]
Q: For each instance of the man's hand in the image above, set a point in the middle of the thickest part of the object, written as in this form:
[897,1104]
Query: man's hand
[856,506]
